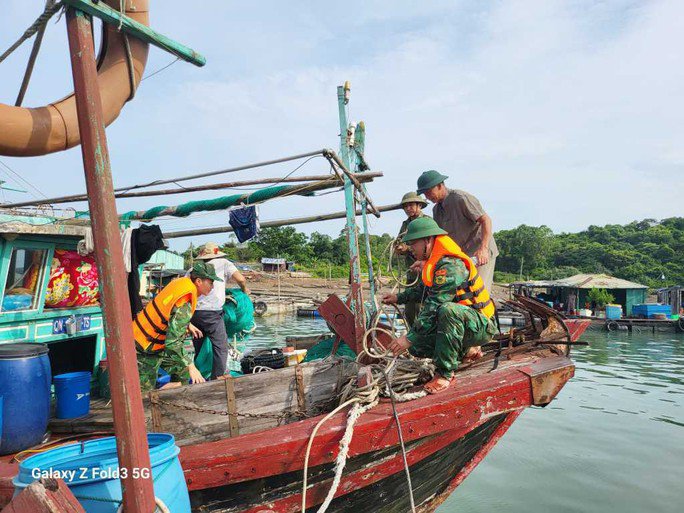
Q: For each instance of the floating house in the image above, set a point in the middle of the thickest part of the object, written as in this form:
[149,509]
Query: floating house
[572,292]
[273,265]
[673,296]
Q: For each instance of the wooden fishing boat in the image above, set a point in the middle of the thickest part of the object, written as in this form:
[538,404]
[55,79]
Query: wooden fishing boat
[243,441]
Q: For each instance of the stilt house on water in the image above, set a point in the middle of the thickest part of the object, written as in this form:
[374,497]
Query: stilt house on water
[572,292]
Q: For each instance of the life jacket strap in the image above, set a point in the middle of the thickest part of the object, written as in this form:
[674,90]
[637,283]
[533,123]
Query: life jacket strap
[156,328]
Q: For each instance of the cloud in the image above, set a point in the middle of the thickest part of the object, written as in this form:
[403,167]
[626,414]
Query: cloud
[557,113]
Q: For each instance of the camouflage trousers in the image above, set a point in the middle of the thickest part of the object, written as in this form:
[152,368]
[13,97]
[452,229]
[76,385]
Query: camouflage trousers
[457,328]
[148,368]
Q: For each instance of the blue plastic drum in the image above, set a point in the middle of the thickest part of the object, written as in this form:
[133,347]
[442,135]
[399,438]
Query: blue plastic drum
[24,395]
[91,471]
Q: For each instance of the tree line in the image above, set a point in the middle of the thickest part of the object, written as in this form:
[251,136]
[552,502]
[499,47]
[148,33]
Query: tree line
[650,252]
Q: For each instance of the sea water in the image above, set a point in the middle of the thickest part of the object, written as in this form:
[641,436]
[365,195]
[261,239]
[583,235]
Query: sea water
[612,441]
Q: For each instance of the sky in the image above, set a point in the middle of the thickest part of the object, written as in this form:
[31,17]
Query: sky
[563,113]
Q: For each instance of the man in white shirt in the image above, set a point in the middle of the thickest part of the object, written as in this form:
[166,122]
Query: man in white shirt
[208,317]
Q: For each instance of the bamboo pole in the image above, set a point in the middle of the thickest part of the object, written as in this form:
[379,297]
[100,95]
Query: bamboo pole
[244,199]
[280,222]
[183,190]
[330,154]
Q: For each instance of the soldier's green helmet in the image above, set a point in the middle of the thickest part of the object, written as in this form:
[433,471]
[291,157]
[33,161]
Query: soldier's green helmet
[412,197]
[421,228]
[428,180]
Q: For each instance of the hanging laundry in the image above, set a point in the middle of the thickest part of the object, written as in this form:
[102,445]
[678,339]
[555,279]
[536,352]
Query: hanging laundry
[145,240]
[86,245]
[126,235]
[245,222]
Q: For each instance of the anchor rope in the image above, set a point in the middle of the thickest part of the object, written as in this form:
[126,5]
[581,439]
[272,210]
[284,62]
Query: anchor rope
[40,22]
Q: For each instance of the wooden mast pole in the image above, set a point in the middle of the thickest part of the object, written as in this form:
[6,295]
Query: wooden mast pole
[129,419]
[356,291]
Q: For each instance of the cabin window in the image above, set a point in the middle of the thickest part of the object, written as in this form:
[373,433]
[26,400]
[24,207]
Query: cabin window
[24,278]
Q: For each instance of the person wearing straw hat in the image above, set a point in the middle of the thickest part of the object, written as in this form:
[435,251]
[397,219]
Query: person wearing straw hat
[160,328]
[457,312]
[462,216]
[208,318]
[413,205]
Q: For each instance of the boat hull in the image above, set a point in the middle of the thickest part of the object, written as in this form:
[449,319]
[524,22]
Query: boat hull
[376,480]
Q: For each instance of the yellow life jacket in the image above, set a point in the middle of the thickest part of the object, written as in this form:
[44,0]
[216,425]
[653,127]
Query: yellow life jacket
[471,292]
[151,323]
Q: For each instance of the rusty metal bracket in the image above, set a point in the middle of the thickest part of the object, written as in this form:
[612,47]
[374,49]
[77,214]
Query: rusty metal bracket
[341,320]
[547,377]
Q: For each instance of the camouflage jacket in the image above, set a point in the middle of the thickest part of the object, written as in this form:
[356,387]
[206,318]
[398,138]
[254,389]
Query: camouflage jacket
[450,272]
[176,334]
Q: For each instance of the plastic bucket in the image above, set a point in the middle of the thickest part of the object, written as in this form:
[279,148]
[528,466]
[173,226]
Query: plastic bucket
[72,391]
[91,471]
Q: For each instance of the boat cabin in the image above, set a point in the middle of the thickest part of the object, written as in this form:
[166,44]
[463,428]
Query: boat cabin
[49,292]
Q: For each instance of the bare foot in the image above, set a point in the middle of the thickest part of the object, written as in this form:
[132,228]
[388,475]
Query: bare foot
[473,353]
[171,384]
[437,384]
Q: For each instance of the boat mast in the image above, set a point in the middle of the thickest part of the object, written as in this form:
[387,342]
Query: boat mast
[127,408]
[355,289]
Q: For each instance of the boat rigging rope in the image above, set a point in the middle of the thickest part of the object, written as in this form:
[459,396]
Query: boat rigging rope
[40,22]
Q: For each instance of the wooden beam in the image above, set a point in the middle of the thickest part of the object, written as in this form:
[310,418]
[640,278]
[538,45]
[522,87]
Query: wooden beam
[129,417]
[182,190]
[280,222]
[138,30]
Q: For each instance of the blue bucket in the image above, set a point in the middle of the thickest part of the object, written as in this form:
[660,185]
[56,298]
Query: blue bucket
[91,471]
[72,391]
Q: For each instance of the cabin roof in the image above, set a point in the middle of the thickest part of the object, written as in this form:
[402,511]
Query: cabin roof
[12,223]
[585,281]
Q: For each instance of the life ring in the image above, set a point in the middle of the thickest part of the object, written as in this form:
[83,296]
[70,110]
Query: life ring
[27,132]
[612,326]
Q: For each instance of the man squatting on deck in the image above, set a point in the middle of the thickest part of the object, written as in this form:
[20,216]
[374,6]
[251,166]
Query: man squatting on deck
[160,328]
[457,311]
[208,318]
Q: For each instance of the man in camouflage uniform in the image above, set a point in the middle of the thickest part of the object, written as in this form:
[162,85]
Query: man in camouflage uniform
[174,359]
[444,329]
[413,206]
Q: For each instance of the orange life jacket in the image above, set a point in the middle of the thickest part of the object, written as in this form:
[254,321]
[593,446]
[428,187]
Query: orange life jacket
[471,292]
[151,323]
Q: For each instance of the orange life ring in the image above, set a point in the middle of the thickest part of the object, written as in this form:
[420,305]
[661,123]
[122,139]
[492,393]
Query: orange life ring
[26,132]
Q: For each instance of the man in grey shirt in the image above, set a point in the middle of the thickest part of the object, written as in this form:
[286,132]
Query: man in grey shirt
[208,317]
[461,214]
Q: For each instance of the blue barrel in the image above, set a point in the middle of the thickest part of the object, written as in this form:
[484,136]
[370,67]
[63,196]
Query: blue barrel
[24,395]
[72,392]
[91,471]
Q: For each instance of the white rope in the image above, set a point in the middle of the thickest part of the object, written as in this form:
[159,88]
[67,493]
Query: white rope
[311,439]
[356,411]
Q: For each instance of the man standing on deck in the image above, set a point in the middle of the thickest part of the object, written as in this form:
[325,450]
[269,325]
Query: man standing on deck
[413,205]
[457,311]
[208,317]
[160,328]
[462,216]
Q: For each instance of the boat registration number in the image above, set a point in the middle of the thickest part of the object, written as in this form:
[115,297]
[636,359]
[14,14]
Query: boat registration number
[61,325]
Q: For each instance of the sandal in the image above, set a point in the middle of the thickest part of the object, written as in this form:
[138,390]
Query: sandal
[437,384]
